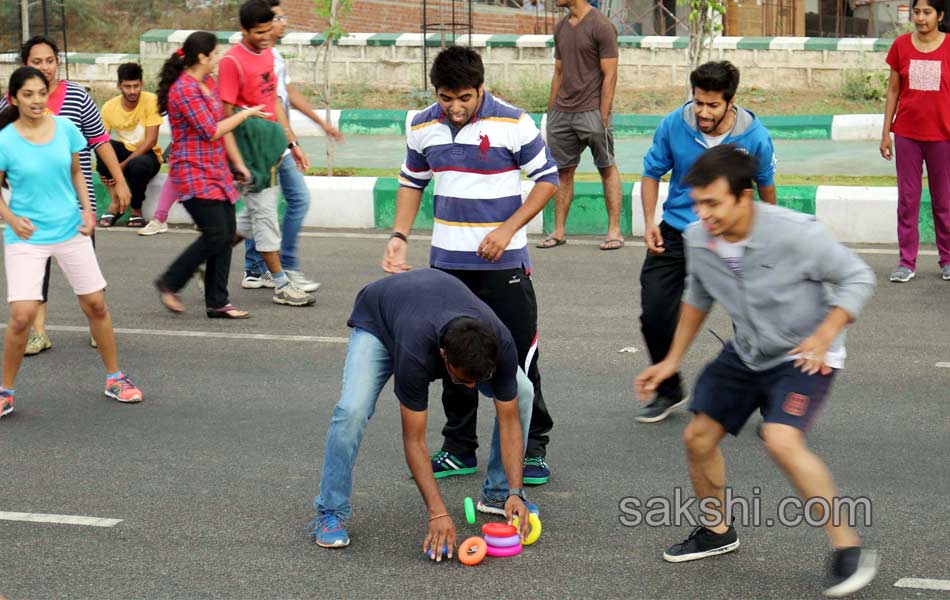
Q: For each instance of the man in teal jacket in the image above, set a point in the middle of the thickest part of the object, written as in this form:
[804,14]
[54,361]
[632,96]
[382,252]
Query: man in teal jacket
[711,118]
[791,290]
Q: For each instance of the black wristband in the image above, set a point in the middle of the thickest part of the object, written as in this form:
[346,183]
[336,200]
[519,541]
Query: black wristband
[400,236]
[293,145]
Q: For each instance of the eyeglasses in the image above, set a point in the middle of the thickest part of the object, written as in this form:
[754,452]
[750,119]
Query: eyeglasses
[281,18]
[458,381]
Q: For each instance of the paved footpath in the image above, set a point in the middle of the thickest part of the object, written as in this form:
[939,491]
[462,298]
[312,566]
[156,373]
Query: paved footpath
[210,480]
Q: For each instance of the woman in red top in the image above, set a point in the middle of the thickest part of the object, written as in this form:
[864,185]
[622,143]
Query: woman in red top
[199,171]
[919,94]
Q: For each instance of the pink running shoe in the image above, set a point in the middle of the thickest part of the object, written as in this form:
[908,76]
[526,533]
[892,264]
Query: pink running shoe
[122,388]
[6,403]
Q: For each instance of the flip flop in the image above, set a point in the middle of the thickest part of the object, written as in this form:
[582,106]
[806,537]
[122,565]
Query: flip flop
[611,244]
[546,242]
[107,219]
[136,222]
[169,299]
[228,312]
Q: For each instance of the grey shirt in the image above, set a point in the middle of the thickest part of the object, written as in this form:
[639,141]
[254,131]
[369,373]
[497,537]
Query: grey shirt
[793,273]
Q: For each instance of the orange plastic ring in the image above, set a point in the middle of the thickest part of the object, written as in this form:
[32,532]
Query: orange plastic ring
[472,551]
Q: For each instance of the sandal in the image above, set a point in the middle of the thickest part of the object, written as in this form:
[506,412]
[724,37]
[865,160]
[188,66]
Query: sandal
[228,312]
[136,222]
[612,244]
[107,219]
[551,242]
[169,299]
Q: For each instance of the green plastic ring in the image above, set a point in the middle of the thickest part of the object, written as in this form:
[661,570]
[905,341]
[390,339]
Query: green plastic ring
[469,510]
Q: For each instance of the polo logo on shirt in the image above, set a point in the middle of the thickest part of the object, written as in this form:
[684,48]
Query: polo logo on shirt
[484,144]
[796,404]
[925,75]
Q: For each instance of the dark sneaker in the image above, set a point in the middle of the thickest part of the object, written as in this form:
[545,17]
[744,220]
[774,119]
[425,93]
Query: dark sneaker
[660,408]
[702,543]
[536,471]
[851,570]
[327,530]
[446,464]
[492,506]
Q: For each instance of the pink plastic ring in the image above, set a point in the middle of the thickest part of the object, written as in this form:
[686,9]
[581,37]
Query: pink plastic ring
[503,542]
[503,552]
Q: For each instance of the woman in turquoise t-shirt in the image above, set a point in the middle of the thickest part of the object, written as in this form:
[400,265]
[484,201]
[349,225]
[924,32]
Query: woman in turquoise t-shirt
[39,158]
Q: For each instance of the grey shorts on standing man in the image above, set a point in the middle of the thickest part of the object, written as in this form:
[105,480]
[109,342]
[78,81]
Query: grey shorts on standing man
[569,133]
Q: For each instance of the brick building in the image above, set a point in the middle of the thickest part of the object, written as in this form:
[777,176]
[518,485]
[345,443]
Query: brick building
[405,16]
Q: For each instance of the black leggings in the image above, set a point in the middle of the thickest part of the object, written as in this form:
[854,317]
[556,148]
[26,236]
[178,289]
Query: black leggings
[511,295]
[216,221]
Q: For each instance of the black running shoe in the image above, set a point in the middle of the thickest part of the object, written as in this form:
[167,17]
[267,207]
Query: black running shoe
[851,570]
[660,408]
[702,543]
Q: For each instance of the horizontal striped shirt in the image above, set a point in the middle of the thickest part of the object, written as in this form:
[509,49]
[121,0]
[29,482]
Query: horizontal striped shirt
[72,101]
[477,171]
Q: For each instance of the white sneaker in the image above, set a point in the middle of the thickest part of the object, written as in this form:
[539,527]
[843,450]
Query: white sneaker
[301,281]
[154,227]
[291,295]
[253,281]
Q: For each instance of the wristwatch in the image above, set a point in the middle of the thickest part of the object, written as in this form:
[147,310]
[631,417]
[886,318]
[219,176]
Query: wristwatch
[518,492]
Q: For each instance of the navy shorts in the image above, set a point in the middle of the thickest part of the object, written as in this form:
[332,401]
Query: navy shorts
[729,392]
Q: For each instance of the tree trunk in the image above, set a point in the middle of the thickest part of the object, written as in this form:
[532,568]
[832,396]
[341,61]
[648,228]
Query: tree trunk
[326,83]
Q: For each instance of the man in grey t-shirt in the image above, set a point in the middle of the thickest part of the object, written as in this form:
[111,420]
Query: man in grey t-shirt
[582,92]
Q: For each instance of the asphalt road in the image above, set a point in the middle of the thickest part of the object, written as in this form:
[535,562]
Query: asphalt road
[214,474]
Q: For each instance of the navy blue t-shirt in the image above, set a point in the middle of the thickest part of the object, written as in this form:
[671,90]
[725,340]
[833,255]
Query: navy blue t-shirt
[409,312]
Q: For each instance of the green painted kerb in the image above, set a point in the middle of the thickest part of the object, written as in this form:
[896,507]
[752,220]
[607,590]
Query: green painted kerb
[373,122]
[799,127]
[384,205]
[588,215]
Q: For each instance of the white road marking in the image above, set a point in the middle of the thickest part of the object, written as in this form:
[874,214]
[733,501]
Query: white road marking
[320,339]
[367,235]
[923,584]
[943,365]
[628,349]
[59,519]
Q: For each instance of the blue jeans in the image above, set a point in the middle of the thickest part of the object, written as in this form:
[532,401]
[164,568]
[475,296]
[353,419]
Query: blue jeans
[367,368]
[294,188]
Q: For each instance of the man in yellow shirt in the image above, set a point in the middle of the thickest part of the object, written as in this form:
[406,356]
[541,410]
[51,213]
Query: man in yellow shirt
[132,119]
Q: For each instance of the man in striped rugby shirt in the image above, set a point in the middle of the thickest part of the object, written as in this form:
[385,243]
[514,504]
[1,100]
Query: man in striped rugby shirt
[475,147]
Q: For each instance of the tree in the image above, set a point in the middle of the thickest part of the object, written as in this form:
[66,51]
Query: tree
[705,22]
[333,11]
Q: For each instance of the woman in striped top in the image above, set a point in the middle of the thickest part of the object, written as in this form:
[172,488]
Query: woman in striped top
[70,100]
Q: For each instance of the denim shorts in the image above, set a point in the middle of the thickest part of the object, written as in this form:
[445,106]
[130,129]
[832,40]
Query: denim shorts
[729,392]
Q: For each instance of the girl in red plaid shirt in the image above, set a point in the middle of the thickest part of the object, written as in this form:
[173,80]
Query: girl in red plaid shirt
[200,172]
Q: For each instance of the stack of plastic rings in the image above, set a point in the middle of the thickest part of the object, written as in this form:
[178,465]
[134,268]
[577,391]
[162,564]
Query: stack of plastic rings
[501,539]
[534,518]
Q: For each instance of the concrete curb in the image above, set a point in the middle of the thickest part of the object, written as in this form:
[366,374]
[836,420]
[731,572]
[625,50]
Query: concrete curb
[855,215]
[435,40]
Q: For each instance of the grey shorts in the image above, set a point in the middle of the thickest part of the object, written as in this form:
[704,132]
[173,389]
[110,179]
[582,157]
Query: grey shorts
[258,219]
[570,133]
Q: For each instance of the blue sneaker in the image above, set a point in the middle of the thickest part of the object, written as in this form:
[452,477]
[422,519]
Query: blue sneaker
[536,471]
[327,530]
[446,464]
